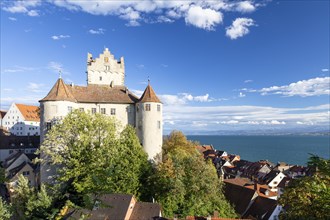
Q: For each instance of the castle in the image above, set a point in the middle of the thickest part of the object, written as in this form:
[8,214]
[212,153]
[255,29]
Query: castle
[107,94]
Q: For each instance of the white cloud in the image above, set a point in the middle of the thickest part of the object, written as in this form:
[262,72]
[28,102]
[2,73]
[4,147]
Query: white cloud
[18,69]
[23,7]
[183,98]
[311,87]
[97,31]
[239,28]
[245,6]
[203,18]
[57,67]
[58,37]
[140,66]
[248,117]
[164,65]
[325,70]
[12,18]
[34,87]
[248,81]
[241,95]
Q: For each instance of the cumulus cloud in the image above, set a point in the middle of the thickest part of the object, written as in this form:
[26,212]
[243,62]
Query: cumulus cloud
[183,98]
[241,95]
[311,87]
[250,117]
[325,70]
[239,28]
[204,14]
[25,7]
[59,37]
[245,6]
[97,31]
[203,18]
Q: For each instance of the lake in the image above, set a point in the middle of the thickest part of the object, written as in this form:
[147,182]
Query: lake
[289,149]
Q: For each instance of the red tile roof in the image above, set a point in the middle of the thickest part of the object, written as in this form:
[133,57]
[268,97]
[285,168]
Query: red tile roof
[149,95]
[29,112]
[90,94]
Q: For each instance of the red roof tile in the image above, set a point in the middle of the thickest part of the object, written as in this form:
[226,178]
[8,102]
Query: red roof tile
[29,112]
[149,95]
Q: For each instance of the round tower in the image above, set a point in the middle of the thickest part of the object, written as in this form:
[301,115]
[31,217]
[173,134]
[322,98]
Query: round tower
[149,122]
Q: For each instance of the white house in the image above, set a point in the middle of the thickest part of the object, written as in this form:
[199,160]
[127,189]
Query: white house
[107,94]
[22,120]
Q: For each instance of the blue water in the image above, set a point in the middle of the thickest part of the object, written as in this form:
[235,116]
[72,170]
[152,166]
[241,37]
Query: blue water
[289,149]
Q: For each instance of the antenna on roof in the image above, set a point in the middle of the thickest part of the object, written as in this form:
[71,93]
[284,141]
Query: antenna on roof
[60,74]
[148,80]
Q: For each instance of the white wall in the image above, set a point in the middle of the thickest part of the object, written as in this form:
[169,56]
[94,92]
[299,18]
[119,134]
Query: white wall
[106,67]
[149,127]
[17,125]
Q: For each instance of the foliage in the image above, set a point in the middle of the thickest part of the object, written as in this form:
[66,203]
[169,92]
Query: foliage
[92,157]
[28,203]
[309,197]
[185,184]
[5,212]
[2,176]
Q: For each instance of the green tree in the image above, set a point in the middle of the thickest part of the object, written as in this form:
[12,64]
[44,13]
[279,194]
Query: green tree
[2,175]
[186,184]
[5,212]
[309,197]
[92,157]
[28,203]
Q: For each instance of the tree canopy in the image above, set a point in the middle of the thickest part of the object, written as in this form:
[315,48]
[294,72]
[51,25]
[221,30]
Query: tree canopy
[185,184]
[309,197]
[93,157]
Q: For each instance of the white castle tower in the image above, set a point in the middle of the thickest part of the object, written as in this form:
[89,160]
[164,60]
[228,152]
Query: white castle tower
[149,122]
[107,94]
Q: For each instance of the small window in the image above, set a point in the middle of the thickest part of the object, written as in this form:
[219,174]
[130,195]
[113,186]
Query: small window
[148,107]
[69,109]
[21,128]
[26,173]
[113,111]
[100,78]
[93,110]
[81,109]
[103,111]
[11,151]
[158,124]
[158,108]
[48,126]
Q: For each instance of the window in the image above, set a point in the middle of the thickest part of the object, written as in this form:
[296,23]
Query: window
[93,110]
[158,108]
[26,173]
[100,78]
[11,151]
[148,107]
[102,110]
[113,111]
[69,109]
[48,126]
[81,109]
[158,124]
[21,128]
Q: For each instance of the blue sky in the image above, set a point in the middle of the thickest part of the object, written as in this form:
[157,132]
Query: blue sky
[216,65]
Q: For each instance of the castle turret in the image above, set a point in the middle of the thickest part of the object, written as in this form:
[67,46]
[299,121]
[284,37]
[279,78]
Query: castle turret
[150,122]
[105,70]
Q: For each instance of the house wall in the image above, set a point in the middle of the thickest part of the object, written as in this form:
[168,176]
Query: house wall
[150,128]
[14,122]
[274,183]
[276,213]
[4,153]
[31,176]
[105,70]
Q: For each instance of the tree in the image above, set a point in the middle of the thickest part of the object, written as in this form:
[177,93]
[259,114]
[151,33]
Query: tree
[5,212]
[309,197]
[28,203]
[185,184]
[93,157]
